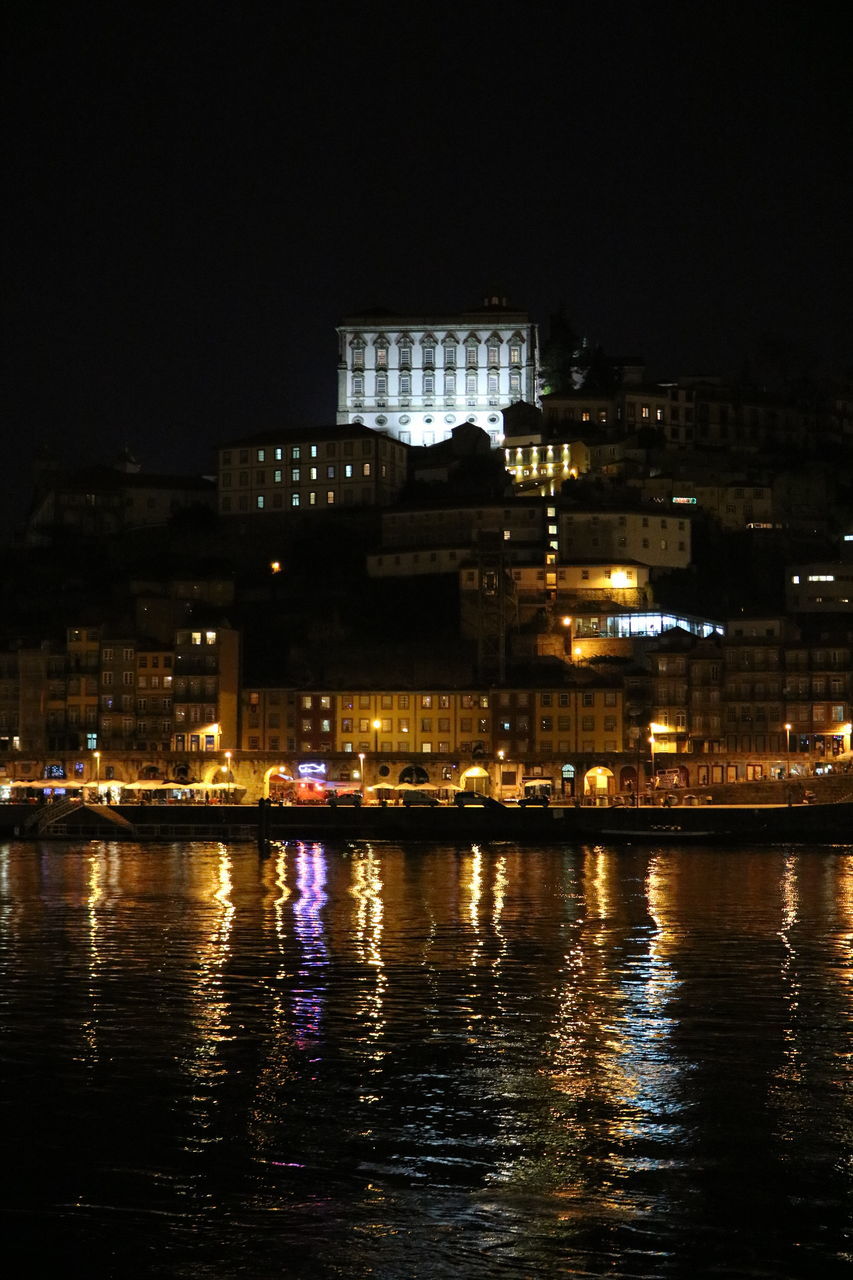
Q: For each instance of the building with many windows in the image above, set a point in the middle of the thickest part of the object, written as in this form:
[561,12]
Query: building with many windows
[104,501]
[313,469]
[693,411]
[205,688]
[154,680]
[735,502]
[582,714]
[83,688]
[647,537]
[417,377]
[819,588]
[117,694]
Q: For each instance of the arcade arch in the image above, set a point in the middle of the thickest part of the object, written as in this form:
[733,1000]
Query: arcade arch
[278,783]
[475,779]
[599,781]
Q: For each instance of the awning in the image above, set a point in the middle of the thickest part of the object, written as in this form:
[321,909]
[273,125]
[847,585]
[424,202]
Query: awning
[50,784]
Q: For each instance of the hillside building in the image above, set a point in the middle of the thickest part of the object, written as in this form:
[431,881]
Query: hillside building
[417,377]
[105,501]
[312,469]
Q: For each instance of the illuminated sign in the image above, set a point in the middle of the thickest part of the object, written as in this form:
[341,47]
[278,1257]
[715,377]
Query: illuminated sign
[311,769]
[691,501]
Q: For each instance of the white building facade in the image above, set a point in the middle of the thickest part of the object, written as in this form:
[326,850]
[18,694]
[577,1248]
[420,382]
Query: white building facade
[417,377]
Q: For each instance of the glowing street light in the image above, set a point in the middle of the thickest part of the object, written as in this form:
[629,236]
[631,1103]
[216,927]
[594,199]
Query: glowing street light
[788,728]
[567,623]
[377,725]
[97,766]
[653,729]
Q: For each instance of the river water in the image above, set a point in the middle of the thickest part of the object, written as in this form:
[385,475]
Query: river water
[392,1062]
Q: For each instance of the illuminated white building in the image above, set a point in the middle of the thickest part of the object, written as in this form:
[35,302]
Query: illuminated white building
[417,377]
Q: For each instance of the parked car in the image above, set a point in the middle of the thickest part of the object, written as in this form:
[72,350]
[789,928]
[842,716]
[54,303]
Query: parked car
[463,798]
[418,797]
[353,798]
[528,801]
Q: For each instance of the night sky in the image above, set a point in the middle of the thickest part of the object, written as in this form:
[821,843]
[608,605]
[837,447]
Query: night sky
[198,194]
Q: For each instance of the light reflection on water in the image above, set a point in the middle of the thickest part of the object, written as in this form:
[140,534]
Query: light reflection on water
[395,1062]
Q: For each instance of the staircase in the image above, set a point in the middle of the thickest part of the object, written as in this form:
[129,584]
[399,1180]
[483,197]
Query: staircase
[47,814]
[112,816]
[53,818]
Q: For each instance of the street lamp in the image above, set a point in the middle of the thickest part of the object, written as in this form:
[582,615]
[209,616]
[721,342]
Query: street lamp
[377,725]
[567,623]
[653,729]
[97,767]
[229,774]
[788,728]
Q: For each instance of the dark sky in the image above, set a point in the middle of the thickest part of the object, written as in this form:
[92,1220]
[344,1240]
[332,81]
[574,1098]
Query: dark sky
[198,193]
